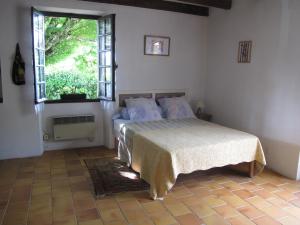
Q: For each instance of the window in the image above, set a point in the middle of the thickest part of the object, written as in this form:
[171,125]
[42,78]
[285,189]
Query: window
[62,42]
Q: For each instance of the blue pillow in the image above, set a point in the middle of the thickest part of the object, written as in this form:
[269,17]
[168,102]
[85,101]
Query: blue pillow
[142,109]
[176,108]
[124,113]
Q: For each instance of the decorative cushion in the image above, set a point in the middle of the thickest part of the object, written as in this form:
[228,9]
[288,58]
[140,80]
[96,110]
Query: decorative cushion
[176,108]
[142,109]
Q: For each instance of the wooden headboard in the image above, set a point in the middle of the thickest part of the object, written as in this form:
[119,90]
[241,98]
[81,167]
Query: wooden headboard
[122,97]
[168,95]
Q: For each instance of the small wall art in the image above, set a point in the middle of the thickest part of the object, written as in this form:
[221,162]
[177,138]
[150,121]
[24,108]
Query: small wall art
[157,45]
[244,54]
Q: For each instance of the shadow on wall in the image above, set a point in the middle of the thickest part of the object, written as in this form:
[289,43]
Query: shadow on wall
[282,157]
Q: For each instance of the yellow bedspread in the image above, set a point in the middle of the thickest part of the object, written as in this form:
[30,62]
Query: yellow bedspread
[161,150]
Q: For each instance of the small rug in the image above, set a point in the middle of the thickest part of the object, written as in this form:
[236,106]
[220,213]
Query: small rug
[111,176]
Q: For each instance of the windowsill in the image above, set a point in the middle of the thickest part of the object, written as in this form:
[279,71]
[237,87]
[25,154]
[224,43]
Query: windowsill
[71,101]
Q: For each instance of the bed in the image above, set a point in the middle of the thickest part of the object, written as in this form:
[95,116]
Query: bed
[161,150]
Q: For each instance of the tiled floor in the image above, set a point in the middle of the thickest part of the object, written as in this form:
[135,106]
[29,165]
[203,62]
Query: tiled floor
[56,189]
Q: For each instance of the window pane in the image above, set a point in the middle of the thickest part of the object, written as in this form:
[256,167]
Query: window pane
[41,74]
[108,58]
[36,34]
[108,90]
[101,27]
[41,22]
[102,74]
[108,42]
[102,89]
[102,43]
[105,43]
[35,21]
[39,32]
[41,40]
[102,59]
[37,74]
[38,92]
[105,59]
[108,25]
[41,57]
[36,56]
[42,90]
[108,76]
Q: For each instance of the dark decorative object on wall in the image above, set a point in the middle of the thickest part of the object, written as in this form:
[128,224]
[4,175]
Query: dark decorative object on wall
[18,71]
[244,54]
[157,45]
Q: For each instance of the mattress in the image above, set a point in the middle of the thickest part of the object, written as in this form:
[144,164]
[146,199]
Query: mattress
[161,150]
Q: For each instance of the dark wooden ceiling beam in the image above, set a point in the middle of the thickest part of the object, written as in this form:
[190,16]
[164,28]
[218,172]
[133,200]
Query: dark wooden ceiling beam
[223,4]
[160,5]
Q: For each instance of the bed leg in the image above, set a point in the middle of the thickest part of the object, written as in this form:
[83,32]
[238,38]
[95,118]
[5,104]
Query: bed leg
[251,169]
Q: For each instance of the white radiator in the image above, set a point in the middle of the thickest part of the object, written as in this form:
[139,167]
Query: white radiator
[74,127]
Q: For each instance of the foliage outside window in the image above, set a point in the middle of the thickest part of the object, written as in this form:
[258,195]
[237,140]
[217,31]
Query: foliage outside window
[71,57]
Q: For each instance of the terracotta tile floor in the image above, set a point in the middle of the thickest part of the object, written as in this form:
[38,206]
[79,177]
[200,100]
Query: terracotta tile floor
[56,189]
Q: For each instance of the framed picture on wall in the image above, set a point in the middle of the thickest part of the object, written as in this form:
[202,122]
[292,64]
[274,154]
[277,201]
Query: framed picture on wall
[157,45]
[244,54]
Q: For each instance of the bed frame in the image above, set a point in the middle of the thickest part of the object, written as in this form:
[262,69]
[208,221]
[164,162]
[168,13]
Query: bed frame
[248,168]
[123,97]
[168,95]
[245,168]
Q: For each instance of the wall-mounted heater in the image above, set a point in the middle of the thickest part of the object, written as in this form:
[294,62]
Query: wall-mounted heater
[74,127]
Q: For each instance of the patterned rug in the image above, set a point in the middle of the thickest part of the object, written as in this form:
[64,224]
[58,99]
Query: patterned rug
[113,176]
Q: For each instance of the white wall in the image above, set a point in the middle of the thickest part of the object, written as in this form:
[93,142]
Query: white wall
[184,69]
[19,127]
[138,73]
[261,97]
